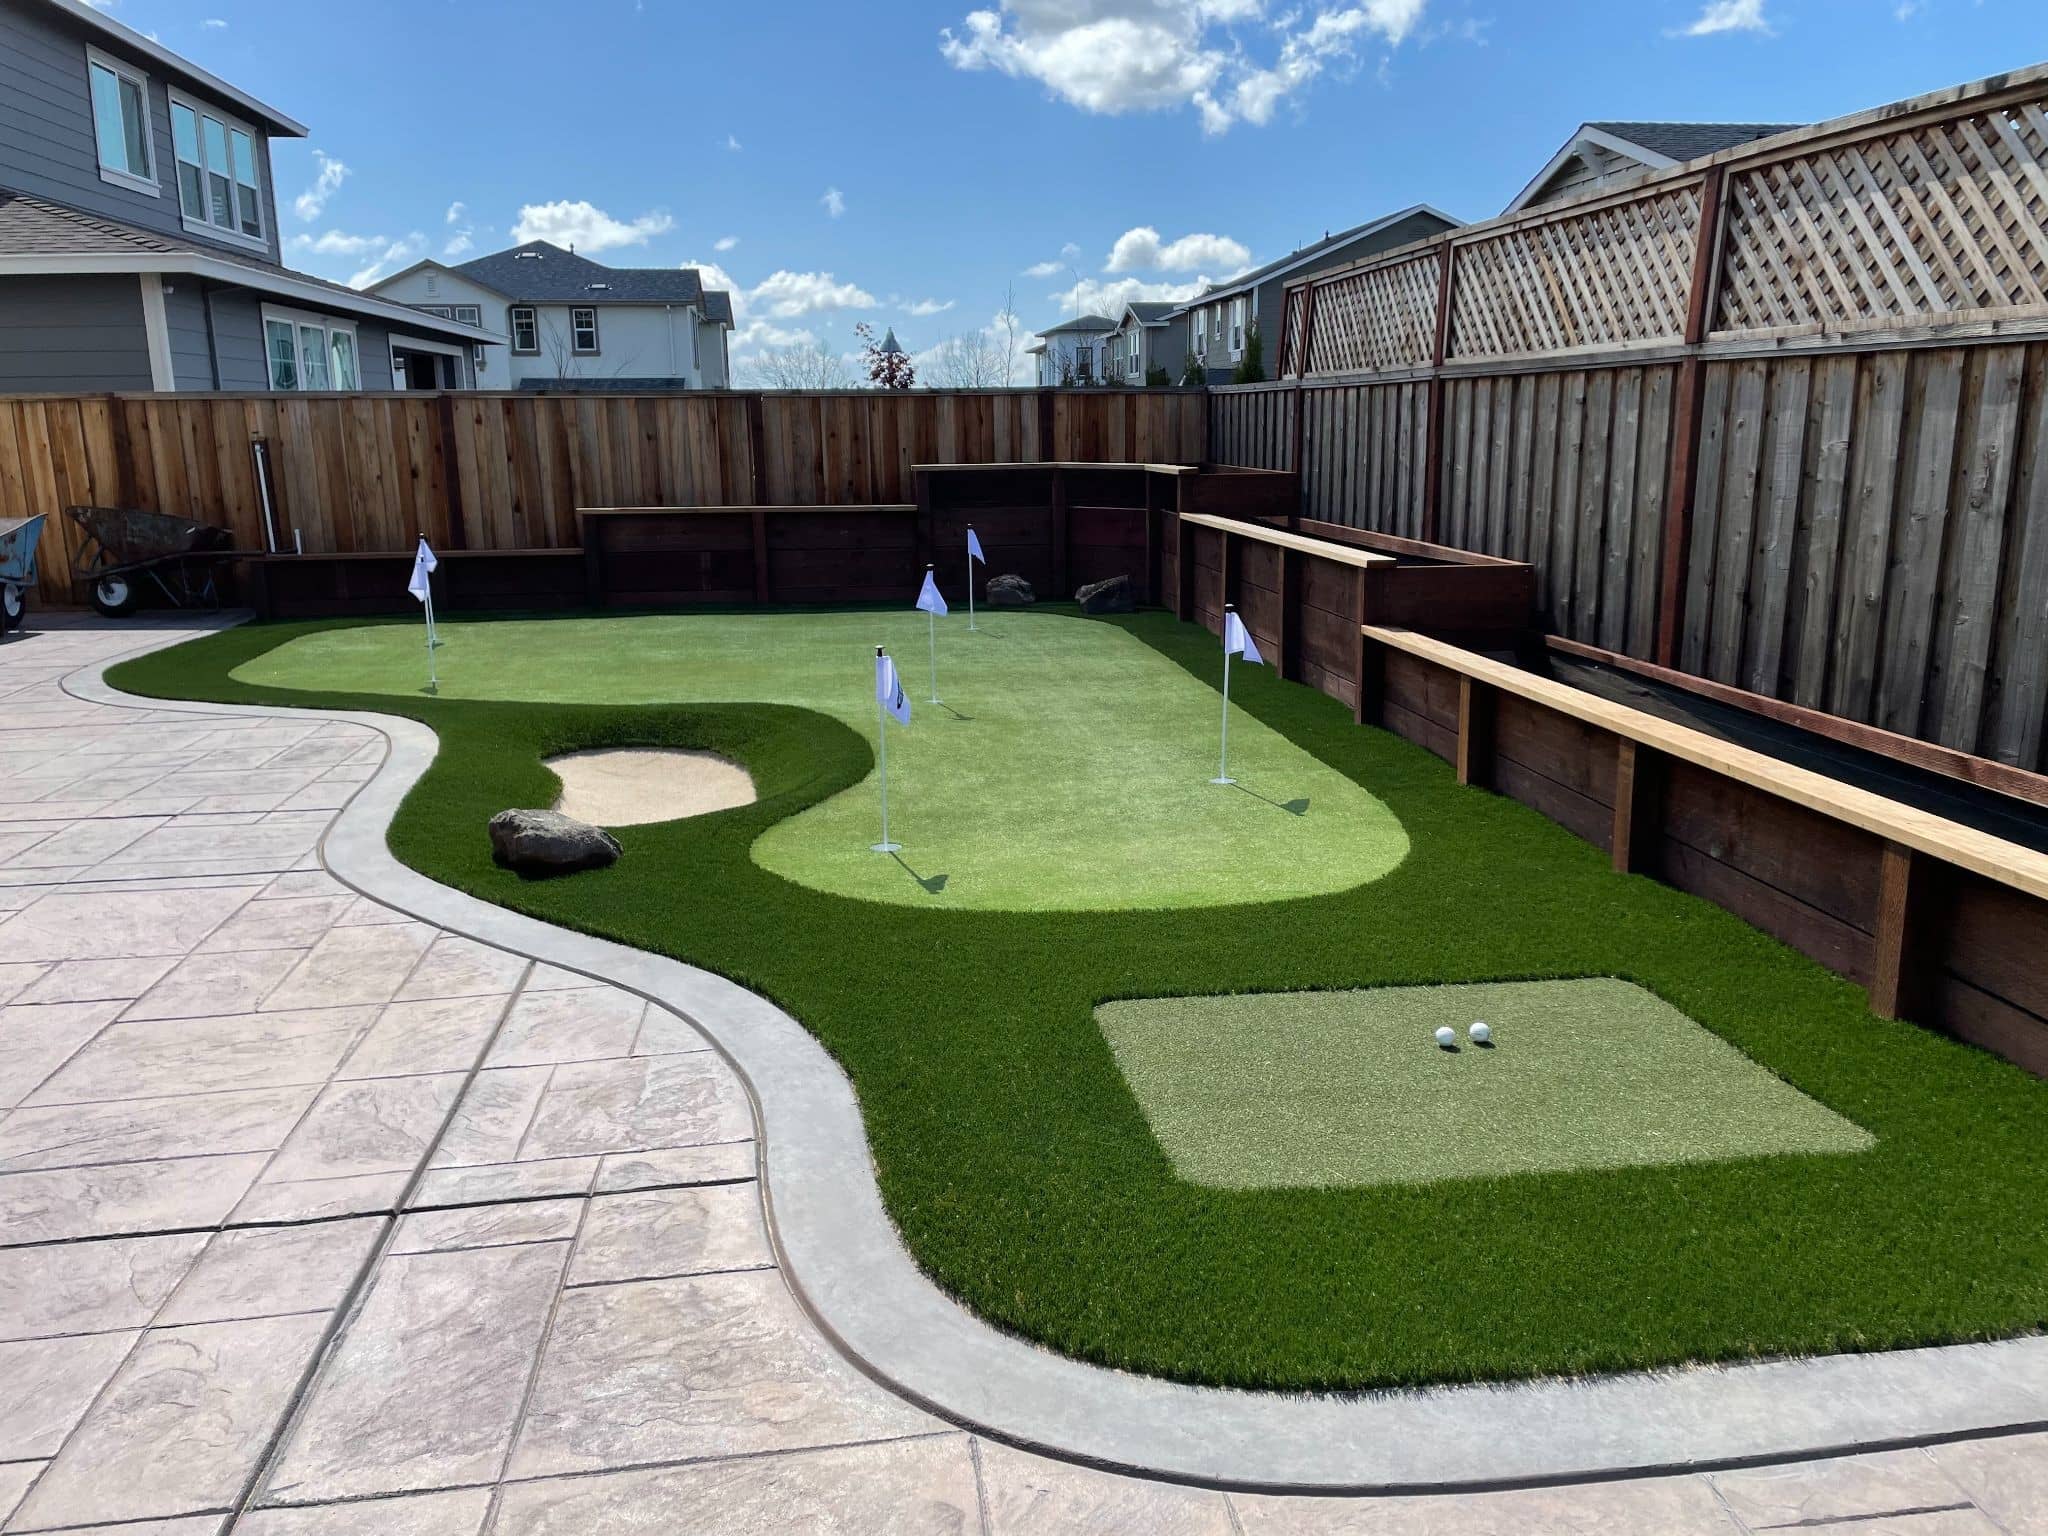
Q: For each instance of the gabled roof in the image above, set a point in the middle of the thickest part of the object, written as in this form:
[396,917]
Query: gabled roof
[128,40]
[1087,323]
[718,306]
[39,236]
[1656,146]
[1244,282]
[1150,311]
[540,273]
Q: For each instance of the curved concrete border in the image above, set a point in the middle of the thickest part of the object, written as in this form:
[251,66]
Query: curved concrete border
[842,1256]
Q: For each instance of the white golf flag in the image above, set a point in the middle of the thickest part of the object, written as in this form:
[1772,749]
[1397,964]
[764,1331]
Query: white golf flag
[1237,640]
[423,565]
[889,690]
[974,547]
[928,599]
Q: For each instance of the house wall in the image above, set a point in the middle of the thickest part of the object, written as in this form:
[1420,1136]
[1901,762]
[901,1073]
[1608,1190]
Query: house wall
[72,335]
[1591,167]
[191,345]
[634,341]
[437,285]
[47,146]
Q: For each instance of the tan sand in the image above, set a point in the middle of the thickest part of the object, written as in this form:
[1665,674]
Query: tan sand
[627,787]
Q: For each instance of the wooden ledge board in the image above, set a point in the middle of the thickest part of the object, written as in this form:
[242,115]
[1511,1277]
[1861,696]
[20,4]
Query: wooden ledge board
[1258,533]
[1157,469]
[315,557]
[1936,836]
[844,506]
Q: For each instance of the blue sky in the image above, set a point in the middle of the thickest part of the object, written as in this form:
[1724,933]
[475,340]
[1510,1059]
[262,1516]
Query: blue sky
[905,161]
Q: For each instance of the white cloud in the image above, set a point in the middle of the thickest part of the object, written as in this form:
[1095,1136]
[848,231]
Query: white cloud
[789,294]
[1113,56]
[1096,296]
[924,307]
[214,24]
[457,212]
[1141,250]
[751,333]
[461,239]
[732,143]
[1044,268]
[1728,16]
[333,242]
[312,202]
[725,242]
[834,203]
[458,244]
[586,227]
[399,253]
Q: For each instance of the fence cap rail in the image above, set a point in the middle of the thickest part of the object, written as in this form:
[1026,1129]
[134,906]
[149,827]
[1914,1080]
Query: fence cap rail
[1157,469]
[739,508]
[1342,554]
[1994,858]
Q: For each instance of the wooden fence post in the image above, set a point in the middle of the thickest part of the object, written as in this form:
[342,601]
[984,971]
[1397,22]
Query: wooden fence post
[1433,428]
[458,536]
[1683,480]
[1903,954]
[1475,733]
[757,451]
[1045,432]
[1638,807]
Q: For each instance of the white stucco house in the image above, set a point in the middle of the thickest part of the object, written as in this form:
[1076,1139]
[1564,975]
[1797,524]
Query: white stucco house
[1071,352]
[569,322]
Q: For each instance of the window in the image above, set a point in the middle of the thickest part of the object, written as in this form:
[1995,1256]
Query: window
[583,330]
[120,122]
[525,332]
[1201,331]
[218,191]
[442,310]
[469,314]
[310,351]
[1084,360]
[1236,326]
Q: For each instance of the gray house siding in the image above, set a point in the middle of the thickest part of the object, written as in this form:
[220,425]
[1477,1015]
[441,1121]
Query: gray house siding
[185,319]
[238,343]
[72,335]
[46,135]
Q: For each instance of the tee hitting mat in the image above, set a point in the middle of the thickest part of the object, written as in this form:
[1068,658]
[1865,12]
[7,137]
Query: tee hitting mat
[1290,1089]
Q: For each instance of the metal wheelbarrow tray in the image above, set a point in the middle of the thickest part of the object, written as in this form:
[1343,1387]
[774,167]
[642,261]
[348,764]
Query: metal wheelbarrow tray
[126,553]
[18,536]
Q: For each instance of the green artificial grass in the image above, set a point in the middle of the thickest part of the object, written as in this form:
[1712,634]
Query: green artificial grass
[1067,767]
[1019,1167]
[1263,1091]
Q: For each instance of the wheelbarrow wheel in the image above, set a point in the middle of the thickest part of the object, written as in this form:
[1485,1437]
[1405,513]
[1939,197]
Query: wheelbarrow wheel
[115,596]
[13,605]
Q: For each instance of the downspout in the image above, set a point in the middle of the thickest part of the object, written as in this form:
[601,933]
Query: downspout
[213,339]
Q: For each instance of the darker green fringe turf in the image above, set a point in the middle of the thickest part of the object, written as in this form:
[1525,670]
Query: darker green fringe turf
[1020,1170]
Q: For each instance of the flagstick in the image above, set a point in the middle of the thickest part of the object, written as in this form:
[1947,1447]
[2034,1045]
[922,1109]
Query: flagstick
[970,581]
[882,738]
[433,680]
[1223,759]
[931,621]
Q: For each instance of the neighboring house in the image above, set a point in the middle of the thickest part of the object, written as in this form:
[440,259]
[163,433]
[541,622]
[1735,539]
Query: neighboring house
[1148,335]
[138,231]
[1071,352]
[1600,154]
[1221,317]
[568,321]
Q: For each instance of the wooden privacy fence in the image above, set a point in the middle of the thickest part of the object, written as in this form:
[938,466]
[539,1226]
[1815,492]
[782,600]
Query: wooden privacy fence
[1778,417]
[352,474]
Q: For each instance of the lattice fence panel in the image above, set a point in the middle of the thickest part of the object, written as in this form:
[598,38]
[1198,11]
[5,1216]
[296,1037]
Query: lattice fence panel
[1607,277]
[1941,219]
[1377,318]
[1290,333]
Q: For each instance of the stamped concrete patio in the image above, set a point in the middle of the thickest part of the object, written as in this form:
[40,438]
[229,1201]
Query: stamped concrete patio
[316,1219]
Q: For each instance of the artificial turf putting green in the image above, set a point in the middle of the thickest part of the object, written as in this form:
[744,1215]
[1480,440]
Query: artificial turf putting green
[1067,768]
[1018,1165]
[1265,1091]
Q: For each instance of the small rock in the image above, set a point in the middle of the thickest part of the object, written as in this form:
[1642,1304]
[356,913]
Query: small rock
[1111,596]
[1010,592]
[547,842]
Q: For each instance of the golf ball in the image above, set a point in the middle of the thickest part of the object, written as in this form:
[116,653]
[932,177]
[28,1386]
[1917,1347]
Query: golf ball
[1480,1034]
[1447,1036]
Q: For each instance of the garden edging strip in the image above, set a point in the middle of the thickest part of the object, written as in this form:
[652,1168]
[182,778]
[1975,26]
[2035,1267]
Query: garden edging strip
[842,1257]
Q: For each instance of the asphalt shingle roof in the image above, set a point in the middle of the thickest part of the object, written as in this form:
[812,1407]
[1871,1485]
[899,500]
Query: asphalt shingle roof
[1689,141]
[540,273]
[1152,311]
[1080,323]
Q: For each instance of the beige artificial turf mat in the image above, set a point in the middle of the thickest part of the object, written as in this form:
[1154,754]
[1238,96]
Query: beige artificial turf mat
[1288,1089]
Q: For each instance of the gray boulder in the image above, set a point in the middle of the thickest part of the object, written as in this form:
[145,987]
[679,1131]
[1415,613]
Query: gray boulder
[549,843]
[1111,596]
[1010,592]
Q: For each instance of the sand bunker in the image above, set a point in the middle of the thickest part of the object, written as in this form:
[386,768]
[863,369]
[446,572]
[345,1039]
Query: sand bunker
[627,787]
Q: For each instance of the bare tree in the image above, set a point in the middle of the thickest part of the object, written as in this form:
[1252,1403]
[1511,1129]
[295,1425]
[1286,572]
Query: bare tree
[804,365]
[971,360]
[1007,323]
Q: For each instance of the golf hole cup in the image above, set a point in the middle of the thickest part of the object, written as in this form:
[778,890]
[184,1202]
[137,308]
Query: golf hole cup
[1447,1037]
[1480,1033]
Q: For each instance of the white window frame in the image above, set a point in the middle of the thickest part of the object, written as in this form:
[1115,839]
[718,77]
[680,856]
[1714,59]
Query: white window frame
[327,325]
[402,343]
[469,314]
[1237,327]
[120,176]
[576,346]
[204,225]
[532,313]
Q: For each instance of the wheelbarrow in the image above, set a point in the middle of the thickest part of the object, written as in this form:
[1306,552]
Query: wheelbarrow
[18,536]
[128,555]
